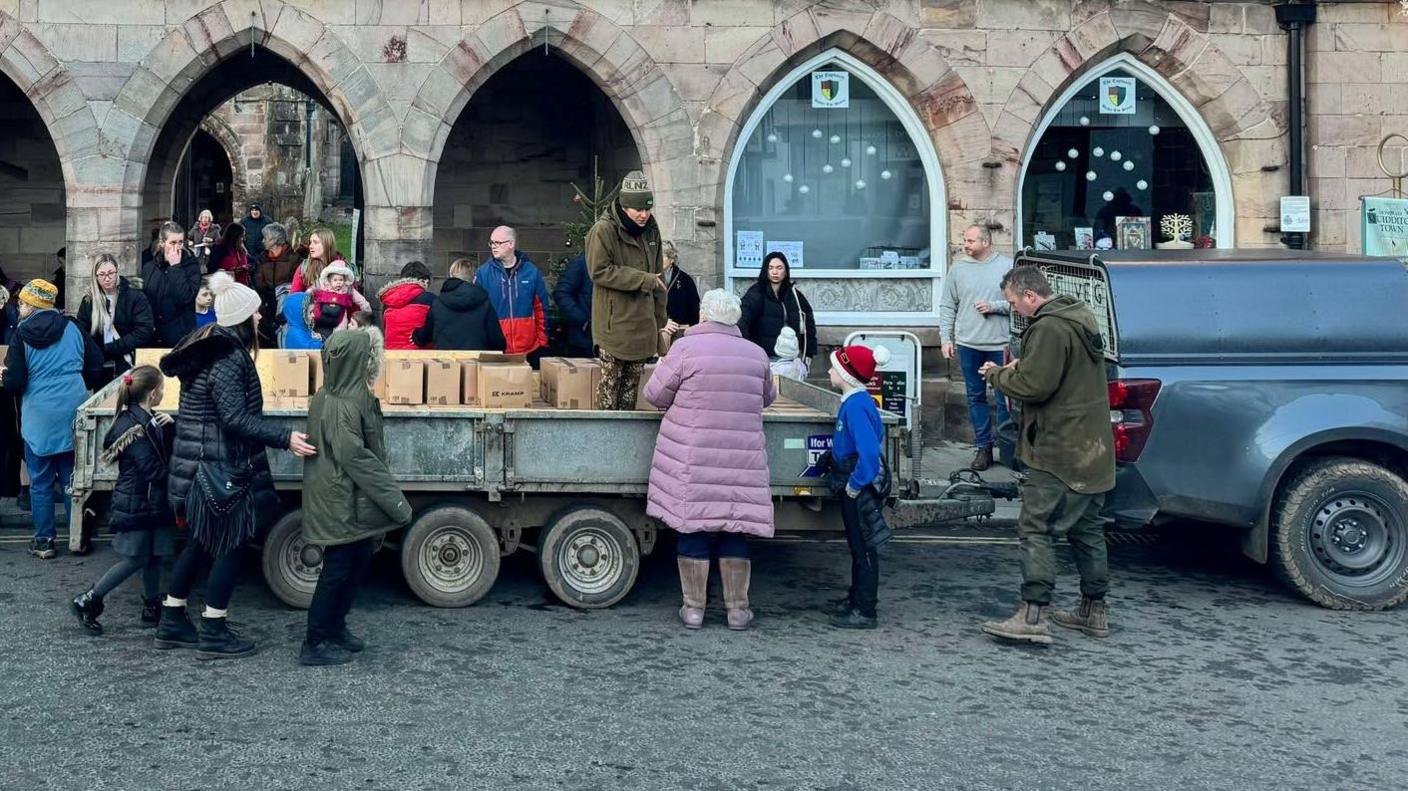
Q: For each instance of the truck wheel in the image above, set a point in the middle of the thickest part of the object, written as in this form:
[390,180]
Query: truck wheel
[450,557]
[1340,535]
[291,565]
[589,557]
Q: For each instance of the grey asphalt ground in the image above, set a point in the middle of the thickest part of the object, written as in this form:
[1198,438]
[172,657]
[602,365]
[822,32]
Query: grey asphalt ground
[1214,678]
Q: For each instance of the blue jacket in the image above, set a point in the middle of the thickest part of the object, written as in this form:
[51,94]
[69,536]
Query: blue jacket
[520,300]
[858,433]
[573,296]
[296,334]
[49,366]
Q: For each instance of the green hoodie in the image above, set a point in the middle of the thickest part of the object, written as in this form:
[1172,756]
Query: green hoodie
[348,491]
[1060,380]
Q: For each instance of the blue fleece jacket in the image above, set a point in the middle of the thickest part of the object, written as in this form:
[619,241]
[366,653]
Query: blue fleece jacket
[858,433]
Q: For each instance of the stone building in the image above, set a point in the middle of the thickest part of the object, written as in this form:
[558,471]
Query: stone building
[862,134]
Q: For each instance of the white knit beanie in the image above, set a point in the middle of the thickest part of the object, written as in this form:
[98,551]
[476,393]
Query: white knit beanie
[234,303]
[786,347]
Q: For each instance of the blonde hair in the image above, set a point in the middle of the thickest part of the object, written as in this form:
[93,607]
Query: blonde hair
[315,266]
[99,317]
[462,268]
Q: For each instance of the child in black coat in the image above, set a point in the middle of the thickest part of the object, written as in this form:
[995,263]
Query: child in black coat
[139,442]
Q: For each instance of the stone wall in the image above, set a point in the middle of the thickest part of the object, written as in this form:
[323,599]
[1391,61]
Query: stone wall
[685,75]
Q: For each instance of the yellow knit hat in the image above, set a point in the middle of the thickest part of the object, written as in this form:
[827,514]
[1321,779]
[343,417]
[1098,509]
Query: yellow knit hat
[39,294]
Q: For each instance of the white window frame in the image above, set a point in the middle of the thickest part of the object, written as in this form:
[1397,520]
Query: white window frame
[1207,142]
[933,175]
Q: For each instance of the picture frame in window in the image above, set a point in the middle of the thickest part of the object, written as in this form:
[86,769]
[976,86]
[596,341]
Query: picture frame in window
[1132,233]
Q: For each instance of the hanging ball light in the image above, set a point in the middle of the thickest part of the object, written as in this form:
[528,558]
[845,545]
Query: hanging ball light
[1072,154]
[1085,120]
[787,177]
[827,168]
[1116,156]
[835,139]
[885,174]
[1060,165]
[1141,184]
[816,133]
[1089,175]
[1097,152]
[1153,130]
[1129,164]
[845,162]
[860,184]
[870,151]
[772,137]
[1108,196]
[804,189]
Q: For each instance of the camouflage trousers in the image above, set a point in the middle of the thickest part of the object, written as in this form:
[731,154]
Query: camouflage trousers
[620,379]
[1052,510]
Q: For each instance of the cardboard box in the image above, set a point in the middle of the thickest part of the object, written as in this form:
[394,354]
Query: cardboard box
[405,382]
[645,374]
[505,386]
[574,385]
[547,371]
[292,375]
[469,374]
[442,382]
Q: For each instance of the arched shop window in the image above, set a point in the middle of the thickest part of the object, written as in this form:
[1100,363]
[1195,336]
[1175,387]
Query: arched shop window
[1123,162]
[827,170]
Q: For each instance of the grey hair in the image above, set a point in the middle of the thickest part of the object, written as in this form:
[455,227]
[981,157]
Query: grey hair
[275,234]
[668,249]
[508,229]
[720,306]
[984,232]
[170,229]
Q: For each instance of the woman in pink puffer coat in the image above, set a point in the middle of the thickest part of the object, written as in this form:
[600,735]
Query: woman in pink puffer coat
[709,478]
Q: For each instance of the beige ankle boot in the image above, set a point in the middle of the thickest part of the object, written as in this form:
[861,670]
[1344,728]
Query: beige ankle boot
[1027,625]
[1091,616]
[736,573]
[694,587]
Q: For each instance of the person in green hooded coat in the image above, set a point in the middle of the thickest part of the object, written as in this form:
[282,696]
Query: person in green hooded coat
[349,496]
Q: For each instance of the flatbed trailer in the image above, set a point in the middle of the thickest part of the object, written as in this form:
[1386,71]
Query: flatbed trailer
[569,485]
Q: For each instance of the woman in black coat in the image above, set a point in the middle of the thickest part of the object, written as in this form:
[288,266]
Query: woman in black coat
[774,302]
[461,317]
[220,423]
[122,322]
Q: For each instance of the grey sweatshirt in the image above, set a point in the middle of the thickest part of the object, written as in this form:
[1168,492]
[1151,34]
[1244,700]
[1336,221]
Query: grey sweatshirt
[969,282]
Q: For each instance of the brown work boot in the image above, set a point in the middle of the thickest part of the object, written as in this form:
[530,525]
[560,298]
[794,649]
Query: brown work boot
[1092,616]
[735,573]
[1027,625]
[694,587]
[982,459]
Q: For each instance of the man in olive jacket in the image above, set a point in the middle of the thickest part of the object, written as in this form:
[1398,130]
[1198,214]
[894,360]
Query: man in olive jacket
[628,294]
[1067,442]
[349,496]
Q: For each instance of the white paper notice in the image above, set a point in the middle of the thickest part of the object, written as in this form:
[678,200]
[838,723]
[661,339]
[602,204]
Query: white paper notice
[748,250]
[793,251]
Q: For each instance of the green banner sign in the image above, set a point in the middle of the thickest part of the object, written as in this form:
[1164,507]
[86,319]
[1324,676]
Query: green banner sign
[1385,225]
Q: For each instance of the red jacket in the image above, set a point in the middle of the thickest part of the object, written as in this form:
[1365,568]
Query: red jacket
[406,303]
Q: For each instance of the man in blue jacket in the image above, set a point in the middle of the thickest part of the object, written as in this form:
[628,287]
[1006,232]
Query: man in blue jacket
[49,364]
[573,296]
[518,294]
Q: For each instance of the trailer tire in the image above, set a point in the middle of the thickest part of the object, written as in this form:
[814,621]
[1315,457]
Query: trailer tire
[589,557]
[291,565]
[1339,534]
[450,557]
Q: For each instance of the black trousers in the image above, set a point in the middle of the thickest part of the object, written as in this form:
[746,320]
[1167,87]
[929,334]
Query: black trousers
[343,567]
[224,573]
[865,562]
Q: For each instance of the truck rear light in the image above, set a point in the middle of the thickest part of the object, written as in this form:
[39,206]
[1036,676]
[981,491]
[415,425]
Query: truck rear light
[1131,415]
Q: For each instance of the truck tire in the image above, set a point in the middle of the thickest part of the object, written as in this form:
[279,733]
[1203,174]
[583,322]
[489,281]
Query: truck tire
[450,557]
[589,557]
[1339,534]
[291,566]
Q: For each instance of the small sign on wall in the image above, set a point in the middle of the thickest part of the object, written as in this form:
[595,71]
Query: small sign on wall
[831,89]
[1117,96]
[1295,214]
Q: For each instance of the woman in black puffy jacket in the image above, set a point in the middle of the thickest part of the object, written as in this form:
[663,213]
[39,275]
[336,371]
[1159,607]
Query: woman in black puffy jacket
[775,302]
[220,421]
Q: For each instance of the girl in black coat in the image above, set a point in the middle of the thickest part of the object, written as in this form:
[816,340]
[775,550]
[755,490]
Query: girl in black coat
[774,302]
[117,316]
[220,422]
[139,443]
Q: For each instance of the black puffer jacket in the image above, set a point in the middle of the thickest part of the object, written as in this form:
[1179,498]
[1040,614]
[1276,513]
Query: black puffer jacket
[140,452]
[171,290]
[461,318]
[221,414]
[765,313]
[132,318]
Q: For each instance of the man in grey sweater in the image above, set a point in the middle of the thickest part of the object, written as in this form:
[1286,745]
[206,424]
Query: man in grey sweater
[974,324]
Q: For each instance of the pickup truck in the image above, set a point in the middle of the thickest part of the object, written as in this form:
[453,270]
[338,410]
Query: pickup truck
[1266,390]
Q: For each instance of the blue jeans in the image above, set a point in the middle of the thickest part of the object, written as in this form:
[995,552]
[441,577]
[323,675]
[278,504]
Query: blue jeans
[970,360]
[42,473]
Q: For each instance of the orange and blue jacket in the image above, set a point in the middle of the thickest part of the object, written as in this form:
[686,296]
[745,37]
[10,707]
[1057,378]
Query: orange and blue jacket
[520,300]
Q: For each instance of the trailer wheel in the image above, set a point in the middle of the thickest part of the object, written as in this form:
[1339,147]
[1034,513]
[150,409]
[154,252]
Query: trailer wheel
[450,557]
[1340,535]
[291,565]
[589,557]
